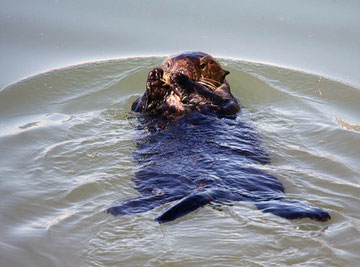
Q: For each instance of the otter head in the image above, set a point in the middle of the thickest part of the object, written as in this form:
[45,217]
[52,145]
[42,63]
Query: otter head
[199,67]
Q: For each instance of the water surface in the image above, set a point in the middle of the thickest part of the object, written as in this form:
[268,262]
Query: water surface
[67,138]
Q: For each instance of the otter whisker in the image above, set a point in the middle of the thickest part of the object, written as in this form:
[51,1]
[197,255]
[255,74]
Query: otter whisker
[208,85]
[216,83]
[208,82]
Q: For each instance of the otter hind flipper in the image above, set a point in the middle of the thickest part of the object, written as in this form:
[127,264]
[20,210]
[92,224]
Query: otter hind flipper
[138,205]
[183,207]
[291,209]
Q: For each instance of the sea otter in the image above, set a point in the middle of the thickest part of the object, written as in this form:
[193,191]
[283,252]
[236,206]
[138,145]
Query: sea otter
[194,149]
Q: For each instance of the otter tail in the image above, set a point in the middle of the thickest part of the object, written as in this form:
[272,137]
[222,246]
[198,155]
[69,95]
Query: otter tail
[291,210]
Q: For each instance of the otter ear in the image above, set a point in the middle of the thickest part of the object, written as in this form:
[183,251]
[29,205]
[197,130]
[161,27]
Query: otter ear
[225,73]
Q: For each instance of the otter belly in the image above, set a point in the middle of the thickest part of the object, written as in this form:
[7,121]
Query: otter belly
[201,159]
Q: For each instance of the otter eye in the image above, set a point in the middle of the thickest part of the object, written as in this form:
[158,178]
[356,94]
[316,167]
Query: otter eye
[202,66]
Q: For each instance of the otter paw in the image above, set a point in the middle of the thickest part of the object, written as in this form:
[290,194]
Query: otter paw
[180,78]
[155,78]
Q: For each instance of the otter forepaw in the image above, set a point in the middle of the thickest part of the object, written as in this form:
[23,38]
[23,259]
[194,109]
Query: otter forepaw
[156,74]
[180,78]
[155,78]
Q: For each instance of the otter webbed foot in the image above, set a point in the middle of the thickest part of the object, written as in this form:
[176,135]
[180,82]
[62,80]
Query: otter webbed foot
[291,210]
[185,206]
[140,204]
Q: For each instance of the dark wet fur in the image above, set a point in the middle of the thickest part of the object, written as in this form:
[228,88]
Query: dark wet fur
[196,150]
[200,159]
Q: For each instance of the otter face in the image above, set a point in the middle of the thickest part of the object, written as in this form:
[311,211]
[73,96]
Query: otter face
[199,67]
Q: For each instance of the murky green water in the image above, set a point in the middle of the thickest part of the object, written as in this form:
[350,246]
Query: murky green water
[66,137]
[66,141]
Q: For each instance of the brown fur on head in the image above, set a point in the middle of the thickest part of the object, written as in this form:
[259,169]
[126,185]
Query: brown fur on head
[198,66]
[187,82]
